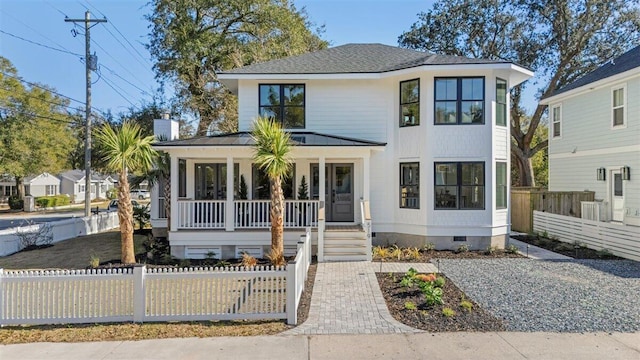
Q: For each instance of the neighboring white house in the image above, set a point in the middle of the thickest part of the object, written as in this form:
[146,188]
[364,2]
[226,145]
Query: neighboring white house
[73,184]
[44,184]
[594,137]
[7,187]
[415,144]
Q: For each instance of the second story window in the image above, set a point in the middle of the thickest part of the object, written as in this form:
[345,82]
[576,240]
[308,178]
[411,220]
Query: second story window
[501,102]
[556,120]
[618,106]
[410,102]
[459,101]
[284,103]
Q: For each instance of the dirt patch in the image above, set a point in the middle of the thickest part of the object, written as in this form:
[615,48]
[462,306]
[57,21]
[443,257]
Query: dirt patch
[400,299]
[305,299]
[567,249]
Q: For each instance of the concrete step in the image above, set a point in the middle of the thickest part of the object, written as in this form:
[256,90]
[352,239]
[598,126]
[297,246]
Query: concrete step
[345,249]
[345,235]
[345,257]
[345,241]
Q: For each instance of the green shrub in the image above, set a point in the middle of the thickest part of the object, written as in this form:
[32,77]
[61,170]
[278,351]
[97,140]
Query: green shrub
[490,250]
[511,249]
[466,305]
[15,203]
[462,248]
[429,246]
[439,282]
[448,312]
[112,193]
[410,305]
[51,201]
[432,294]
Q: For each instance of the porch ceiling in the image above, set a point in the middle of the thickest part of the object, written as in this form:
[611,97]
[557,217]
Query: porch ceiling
[244,139]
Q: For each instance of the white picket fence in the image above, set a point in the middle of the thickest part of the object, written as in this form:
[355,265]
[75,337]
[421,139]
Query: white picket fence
[61,230]
[141,294]
[620,240]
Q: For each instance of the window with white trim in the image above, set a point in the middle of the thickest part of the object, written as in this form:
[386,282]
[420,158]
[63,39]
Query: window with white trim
[81,188]
[617,106]
[51,190]
[410,185]
[501,185]
[556,121]
[501,102]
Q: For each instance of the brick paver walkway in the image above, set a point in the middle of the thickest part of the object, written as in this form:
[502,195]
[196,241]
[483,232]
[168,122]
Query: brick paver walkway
[347,300]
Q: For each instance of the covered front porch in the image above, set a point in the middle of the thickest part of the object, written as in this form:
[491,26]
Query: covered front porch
[214,206]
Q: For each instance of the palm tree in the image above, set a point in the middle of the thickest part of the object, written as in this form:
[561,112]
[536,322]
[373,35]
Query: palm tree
[160,174]
[123,151]
[272,154]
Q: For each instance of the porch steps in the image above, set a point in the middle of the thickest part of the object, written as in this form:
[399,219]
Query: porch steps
[341,245]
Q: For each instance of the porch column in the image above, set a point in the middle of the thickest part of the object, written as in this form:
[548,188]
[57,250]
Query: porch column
[175,180]
[321,178]
[229,206]
[321,212]
[366,176]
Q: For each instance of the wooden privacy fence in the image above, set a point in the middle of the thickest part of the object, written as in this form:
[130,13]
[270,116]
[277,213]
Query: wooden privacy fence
[525,200]
[620,240]
[141,294]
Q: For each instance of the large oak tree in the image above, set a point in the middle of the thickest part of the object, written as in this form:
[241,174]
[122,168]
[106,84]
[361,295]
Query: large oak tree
[560,40]
[191,40]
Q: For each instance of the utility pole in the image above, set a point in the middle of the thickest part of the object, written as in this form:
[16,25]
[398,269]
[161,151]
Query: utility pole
[90,64]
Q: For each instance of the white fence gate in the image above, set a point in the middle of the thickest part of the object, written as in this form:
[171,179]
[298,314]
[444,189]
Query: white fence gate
[620,240]
[140,294]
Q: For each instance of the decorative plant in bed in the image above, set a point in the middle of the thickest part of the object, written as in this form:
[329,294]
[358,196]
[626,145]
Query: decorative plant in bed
[433,303]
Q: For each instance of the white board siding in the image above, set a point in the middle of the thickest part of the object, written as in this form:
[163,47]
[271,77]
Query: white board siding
[586,121]
[578,173]
[501,140]
[355,108]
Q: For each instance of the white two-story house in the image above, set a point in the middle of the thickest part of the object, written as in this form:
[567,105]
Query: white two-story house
[594,139]
[397,147]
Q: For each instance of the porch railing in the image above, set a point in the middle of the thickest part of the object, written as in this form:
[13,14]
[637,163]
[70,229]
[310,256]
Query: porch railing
[255,214]
[201,214]
[247,214]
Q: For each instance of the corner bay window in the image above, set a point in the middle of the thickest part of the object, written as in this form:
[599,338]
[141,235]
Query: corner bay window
[410,185]
[284,103]
[459,185]
[459,100]
[410,102]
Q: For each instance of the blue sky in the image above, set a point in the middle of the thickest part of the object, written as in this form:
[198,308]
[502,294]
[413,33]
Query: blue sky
[126,78]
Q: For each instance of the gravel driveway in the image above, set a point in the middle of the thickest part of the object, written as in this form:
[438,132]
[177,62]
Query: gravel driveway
[556,296]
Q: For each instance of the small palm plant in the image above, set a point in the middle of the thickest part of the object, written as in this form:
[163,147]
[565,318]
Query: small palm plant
[124,151]
[272,154]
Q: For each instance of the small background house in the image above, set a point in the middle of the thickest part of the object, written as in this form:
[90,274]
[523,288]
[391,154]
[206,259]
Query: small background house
[73,184]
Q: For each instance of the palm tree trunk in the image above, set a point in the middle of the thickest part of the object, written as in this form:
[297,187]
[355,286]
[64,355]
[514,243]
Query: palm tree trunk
[277,222]
[125,216]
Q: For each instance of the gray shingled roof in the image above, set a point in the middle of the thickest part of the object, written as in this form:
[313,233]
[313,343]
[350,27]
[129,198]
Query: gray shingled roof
[244,139]
[624,62]
[355,58]
[77,175]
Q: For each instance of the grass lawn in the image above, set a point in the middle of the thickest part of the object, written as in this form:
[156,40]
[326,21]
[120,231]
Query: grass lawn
[72,253]
[75,254]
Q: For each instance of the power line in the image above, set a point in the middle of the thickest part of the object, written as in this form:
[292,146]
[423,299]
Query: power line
[118,92]
[40,116]
[39,44]
[122,35]
[41,87]
[36,31]
[125,80]
[55,8]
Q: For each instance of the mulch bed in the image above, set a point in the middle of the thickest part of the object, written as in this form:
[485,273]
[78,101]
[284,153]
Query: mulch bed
[305,300]
[431,318]
[565,248]
[427,255]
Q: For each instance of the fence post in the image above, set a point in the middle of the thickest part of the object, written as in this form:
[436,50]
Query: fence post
[139,308]
[2,297]
[292,311]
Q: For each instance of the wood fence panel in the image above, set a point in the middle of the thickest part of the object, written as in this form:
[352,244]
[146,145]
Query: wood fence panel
[526,200]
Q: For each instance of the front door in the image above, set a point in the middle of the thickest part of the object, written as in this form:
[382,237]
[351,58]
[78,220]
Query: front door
[617,196]
[338,196]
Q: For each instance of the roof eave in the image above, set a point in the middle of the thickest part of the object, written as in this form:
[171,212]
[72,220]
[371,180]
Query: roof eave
[591,86]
